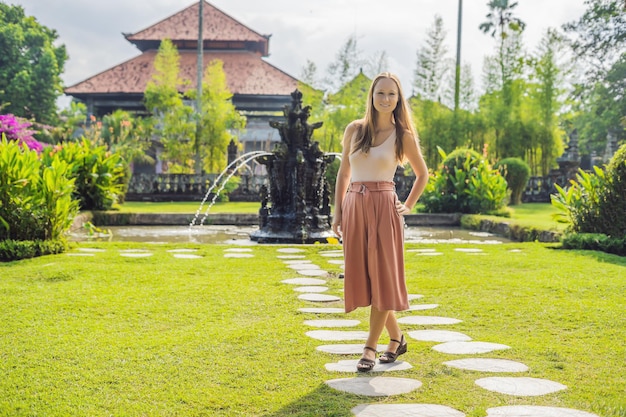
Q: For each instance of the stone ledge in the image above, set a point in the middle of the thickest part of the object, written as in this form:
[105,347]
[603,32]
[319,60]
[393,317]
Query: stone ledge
[109,218]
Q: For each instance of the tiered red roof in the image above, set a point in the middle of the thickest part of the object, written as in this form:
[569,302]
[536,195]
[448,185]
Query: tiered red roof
[239,47]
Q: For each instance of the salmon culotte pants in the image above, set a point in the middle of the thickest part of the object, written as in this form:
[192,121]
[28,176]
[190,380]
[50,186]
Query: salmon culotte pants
[373,245]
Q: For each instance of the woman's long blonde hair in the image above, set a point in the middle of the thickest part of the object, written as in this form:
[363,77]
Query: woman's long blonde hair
[401,114]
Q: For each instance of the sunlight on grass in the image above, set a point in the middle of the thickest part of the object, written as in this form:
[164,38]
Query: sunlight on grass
[109,335]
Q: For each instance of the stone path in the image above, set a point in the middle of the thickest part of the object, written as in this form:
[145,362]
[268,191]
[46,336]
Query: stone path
[450,342]
[311,286]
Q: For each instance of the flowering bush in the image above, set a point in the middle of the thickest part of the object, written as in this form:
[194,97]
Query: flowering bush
[16,128]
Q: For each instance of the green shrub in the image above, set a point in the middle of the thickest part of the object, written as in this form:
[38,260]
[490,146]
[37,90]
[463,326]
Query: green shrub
[35,199]
[596,202]
[595,241]
[13,250]
[613,200]
[101,176]
[516,173]
[464,184]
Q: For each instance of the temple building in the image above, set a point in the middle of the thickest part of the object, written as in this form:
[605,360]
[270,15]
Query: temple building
[260,90]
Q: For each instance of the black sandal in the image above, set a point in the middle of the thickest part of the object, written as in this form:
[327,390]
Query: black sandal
[390,357]
[364,364]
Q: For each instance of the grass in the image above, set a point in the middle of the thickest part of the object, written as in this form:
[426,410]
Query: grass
[160,336]
[537,215]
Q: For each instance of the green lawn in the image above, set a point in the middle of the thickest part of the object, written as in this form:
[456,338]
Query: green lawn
[159,336]
[537,215]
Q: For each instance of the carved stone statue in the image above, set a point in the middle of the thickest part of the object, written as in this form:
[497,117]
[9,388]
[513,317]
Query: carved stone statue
[296,208]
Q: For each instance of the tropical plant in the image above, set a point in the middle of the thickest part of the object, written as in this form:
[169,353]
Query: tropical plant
[35,197]
[464,183]
[100,176]
[596,202]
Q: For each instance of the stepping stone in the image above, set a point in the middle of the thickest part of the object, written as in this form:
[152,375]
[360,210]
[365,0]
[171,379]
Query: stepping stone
[311,289]
[236,250]
[336,262]
[421,250]
[80,254]
[524,386]
[332,254]
[90,250]
[517,251]
[134,251]
[304,281]
[136,255]
[291,256]
[186,256]
[350,366]
[303,267]
[375,387]
[238,255]
[408,410]
[464,348]
[321,298]
[468,250]
[183,250]
[535,411]
[487,365]
[297,261]
[332,323]
[413,297]
[438,336]
[337,335]
[427,320]
[429,254]
[346,349]
[313,272]
[290,250]
[419,307]
[317,310]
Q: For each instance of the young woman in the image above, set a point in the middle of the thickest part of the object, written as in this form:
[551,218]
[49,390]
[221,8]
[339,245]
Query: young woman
[368,214]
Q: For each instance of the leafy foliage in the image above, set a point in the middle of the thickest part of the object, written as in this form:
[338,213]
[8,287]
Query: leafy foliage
[464,183]
[595,241]
[30,65]
[217,119]
[100,176]
[35,197]
[596,202]
[13,250]
[516,173]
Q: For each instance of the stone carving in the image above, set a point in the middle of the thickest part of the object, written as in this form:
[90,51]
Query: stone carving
[296,208]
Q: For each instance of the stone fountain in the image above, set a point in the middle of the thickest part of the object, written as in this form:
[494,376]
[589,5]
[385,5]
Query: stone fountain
[296,208]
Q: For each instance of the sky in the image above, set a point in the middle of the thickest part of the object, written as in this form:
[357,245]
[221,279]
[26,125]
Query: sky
[301,30]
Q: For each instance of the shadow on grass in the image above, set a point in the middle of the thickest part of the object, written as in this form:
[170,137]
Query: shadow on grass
[599,256]
[323,401]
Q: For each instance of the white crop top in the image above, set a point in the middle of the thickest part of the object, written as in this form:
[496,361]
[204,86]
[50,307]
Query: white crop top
[379,164]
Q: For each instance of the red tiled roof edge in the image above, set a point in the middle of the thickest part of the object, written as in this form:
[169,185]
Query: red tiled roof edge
[236,28]
[246,73]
